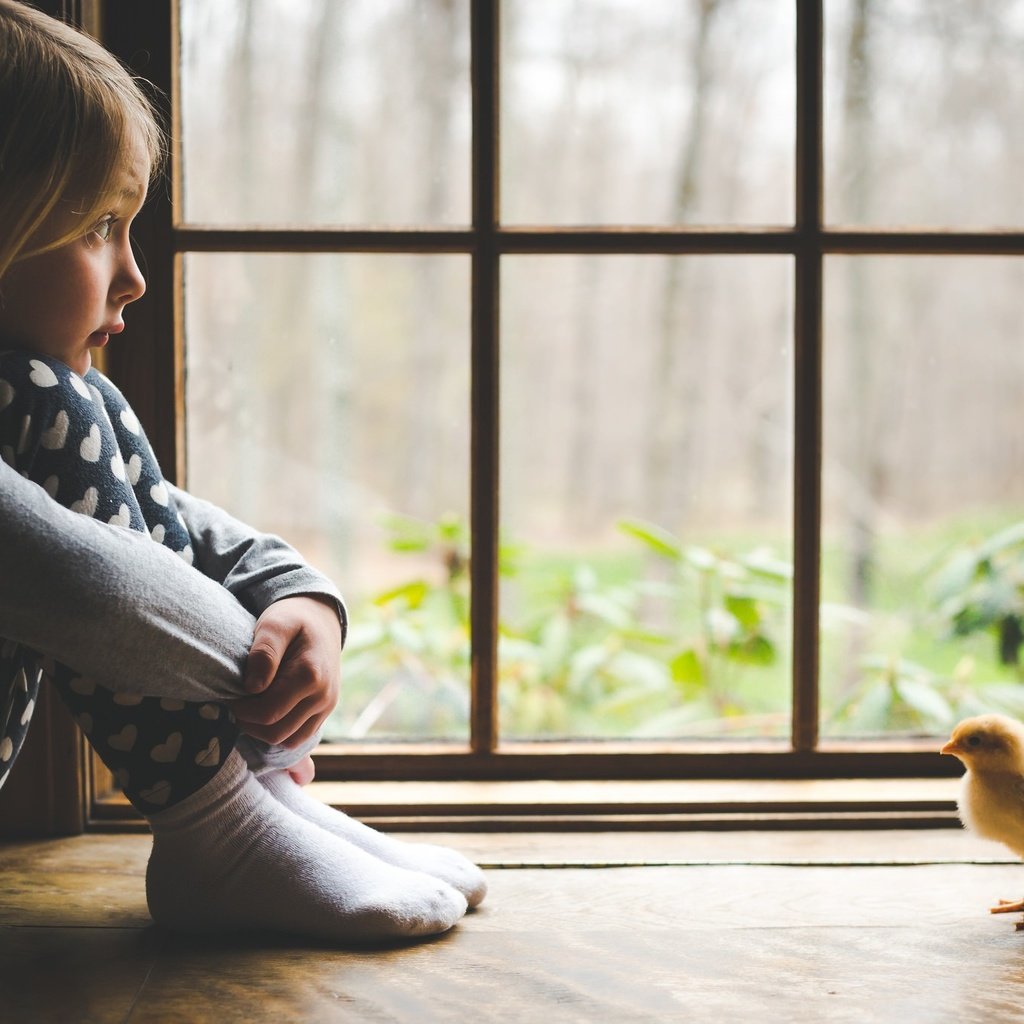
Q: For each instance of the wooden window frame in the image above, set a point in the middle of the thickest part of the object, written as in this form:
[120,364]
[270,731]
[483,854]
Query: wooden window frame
[151,372]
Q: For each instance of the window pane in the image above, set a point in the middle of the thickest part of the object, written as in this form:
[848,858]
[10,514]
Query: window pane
[321,112]
[646,459]
[661,112]
[923,549]
[922,120]
[328,402]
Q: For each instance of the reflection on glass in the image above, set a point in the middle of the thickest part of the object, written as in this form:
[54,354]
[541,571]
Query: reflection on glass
[646,480]
[922,112]
[325,112]
[661,112]
[327,402]
[923,523]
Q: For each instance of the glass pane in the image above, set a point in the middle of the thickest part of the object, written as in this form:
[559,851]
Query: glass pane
[646,459]
[923,547]
[321,112]
[661,112]
[327,402]
[922,112]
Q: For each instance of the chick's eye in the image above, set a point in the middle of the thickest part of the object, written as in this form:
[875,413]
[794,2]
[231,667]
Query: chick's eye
[974,741]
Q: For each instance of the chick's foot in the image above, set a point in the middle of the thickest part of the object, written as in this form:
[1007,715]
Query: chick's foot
[1008,907]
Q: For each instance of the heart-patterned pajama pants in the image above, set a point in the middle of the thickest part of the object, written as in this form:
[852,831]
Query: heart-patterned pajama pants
[79,439]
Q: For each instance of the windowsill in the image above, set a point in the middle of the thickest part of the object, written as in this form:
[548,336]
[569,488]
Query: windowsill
[619,805]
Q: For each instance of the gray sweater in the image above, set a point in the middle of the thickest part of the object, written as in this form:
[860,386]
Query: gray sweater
[112,604]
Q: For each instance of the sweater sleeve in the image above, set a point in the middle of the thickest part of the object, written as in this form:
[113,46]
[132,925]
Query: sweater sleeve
[257,568]
[112,604]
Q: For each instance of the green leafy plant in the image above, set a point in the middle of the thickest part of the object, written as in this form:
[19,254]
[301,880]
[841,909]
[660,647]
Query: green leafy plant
[981,588]
[673,639]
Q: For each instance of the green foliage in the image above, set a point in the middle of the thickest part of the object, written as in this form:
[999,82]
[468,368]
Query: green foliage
[981,589]
[673,639]
[663,648]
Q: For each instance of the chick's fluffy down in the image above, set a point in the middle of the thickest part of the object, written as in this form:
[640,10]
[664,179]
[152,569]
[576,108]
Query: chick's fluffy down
[991,799]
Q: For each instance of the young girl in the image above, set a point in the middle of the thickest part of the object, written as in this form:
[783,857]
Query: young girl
[136,600]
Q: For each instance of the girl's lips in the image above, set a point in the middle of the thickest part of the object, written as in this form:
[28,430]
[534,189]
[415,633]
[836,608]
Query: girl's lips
[101,337]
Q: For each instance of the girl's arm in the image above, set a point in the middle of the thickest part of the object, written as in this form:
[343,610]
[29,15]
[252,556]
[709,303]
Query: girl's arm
[258,568]
[293,669]
[112,604]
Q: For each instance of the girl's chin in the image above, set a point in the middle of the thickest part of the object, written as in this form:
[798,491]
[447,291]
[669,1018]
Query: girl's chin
[81,364]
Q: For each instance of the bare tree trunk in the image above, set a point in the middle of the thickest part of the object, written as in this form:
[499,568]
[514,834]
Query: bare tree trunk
[583,506]
[857,159]
[302,420]
[422,466]
[676,380]
[250,468]
[863,472]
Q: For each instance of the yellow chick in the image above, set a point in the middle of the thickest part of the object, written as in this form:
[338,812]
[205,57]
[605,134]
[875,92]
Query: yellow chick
[991,801]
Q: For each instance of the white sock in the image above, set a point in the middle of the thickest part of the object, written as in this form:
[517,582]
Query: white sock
[230,857]
[448,865]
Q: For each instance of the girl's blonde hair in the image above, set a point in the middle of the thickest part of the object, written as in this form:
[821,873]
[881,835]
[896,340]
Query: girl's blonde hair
[70,119]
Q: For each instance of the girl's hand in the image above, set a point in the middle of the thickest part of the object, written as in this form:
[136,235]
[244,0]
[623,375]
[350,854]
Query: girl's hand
[303,772]
[294,669]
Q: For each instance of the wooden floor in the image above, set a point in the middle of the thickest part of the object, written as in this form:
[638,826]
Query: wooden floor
[857,927]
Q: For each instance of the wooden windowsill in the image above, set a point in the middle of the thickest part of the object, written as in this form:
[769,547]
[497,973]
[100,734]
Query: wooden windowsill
[624,805]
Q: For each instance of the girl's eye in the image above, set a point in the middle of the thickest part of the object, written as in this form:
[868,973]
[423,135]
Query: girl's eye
[104,228]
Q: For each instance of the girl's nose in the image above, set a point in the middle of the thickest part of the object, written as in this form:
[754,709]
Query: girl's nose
[129,284]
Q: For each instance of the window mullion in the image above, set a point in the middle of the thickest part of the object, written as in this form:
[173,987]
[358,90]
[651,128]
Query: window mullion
[484,503]
[807,373]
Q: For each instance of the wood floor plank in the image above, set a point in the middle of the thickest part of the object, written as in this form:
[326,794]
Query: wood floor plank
[772,942]
[71,975]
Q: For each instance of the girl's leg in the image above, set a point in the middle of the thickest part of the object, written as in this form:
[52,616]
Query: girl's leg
[441,863]
[225,853]
[56,430]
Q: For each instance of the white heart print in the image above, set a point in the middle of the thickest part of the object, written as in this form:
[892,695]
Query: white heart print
[6,394]
[158,793]
[87,506]
[129,419]
[80,386]
[41,375]
[83,685]
[209,757]
[134,470]
[158,533]
[123,517]
[117,466]
[125,739]
[6,748]
[54,437]
[92,445]
[159,494]
[166,752]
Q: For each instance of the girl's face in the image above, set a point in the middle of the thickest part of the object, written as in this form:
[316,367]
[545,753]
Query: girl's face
[66,302]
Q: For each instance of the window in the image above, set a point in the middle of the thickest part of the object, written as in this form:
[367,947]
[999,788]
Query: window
[693,324]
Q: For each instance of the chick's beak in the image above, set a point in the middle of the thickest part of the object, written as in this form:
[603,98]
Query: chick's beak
[952,747]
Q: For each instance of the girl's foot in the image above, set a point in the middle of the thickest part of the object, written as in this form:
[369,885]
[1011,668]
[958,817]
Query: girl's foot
[230,857]
[448,865]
